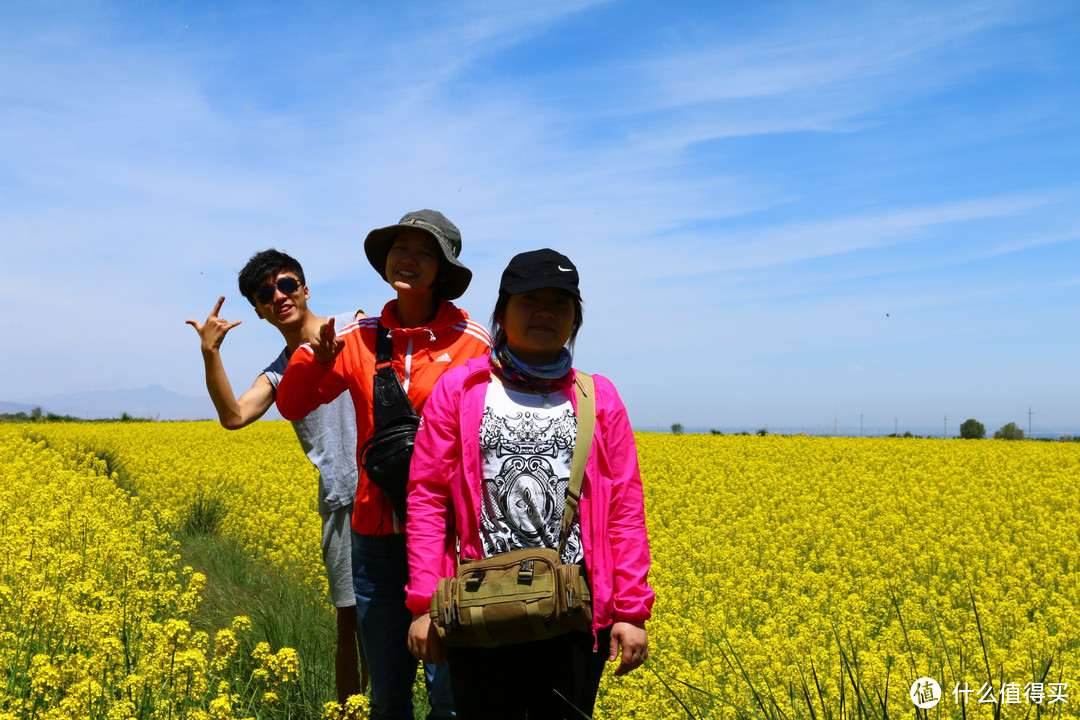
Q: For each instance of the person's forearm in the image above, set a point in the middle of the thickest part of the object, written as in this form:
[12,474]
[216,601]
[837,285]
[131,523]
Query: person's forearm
[221,392]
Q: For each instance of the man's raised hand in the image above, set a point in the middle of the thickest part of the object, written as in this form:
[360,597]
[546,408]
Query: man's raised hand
[213,331]
[327,345]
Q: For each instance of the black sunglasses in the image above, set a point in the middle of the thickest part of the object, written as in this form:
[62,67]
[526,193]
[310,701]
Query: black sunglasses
[287,285]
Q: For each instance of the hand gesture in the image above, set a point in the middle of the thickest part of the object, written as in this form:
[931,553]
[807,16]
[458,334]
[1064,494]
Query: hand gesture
[424,641]
[633,640]
[213,331]
[327,345]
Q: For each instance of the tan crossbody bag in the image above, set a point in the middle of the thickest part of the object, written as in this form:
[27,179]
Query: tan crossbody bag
[527,594]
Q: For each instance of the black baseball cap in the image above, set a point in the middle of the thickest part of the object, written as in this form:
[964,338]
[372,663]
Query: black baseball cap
[540,269]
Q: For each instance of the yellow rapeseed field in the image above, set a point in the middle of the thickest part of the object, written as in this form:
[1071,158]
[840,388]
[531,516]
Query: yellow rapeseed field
[95,616]
[786,554]
[855,566]
[260,473]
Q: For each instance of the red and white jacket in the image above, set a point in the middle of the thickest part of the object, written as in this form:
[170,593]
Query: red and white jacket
[445,485]
[421,355]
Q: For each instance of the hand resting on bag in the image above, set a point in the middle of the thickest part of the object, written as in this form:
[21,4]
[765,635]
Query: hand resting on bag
[424,641]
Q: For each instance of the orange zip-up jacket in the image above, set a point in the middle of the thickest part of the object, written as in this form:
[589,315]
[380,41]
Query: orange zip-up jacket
[421,355]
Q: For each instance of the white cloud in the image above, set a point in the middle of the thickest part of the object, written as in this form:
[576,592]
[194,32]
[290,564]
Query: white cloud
[143,162]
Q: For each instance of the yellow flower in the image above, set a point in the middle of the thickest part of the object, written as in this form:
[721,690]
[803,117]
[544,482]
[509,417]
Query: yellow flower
[773,558]
[286,665]
[357,706]
[225,646]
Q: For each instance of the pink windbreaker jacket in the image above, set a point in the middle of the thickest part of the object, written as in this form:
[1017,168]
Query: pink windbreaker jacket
[445,483]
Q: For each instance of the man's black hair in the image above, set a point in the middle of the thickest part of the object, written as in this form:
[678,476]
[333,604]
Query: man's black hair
[264,266]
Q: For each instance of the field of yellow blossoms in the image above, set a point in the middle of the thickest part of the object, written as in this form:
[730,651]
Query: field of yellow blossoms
[795,576]
[95,614]
[871,561]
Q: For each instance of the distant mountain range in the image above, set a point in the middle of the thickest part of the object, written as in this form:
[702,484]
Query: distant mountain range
[154,402]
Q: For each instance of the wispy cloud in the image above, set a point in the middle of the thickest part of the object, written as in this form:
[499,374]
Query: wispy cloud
[755,180]
[823,47]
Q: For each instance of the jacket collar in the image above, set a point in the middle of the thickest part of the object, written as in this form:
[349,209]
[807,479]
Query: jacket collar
[446,317]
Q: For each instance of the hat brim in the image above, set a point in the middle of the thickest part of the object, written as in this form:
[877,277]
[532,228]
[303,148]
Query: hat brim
[457,276]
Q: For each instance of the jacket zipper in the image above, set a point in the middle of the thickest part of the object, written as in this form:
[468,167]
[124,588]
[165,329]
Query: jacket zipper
[408,364]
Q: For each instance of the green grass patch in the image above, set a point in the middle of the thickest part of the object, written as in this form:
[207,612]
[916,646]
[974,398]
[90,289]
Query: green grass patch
[282,611]
[204,515]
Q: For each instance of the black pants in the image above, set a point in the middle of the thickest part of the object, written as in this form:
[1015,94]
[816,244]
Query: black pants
[526,680]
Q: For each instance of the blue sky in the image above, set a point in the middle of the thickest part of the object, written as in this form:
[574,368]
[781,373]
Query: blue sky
[790,214]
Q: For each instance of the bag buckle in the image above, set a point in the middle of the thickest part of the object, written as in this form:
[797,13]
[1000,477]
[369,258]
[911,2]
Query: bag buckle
[525,572]
[472,583]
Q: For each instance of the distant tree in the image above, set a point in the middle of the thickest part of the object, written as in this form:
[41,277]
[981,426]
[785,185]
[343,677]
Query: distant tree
[972,429]
[1009,432]
[676,429]
[763,432]
[714,431]
[35,414]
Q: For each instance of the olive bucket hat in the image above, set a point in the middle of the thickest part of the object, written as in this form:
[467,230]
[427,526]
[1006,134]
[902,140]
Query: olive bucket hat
[456,277]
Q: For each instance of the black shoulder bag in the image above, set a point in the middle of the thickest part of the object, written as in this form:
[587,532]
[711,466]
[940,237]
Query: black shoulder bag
[386,455]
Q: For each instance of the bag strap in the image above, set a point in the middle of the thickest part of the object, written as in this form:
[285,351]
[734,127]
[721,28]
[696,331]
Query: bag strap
[389,399]
[384,346]
[586,423]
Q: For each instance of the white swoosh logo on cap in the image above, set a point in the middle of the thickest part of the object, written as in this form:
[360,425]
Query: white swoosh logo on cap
[565,269]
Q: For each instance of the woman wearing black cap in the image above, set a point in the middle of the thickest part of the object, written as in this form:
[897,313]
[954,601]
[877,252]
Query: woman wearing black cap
[490,475]
[418,257]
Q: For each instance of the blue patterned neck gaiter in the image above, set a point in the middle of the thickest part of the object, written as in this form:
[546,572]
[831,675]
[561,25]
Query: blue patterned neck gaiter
[539,378]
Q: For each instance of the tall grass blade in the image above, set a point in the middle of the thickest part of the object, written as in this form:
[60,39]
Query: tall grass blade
[672,691]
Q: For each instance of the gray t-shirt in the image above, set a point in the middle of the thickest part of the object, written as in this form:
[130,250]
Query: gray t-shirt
[328,437]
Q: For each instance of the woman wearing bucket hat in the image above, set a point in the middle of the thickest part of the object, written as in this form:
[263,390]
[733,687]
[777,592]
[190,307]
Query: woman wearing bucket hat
[490,475]
[428,335]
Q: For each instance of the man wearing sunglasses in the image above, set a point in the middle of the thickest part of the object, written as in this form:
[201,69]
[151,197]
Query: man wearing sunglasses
[273,283]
